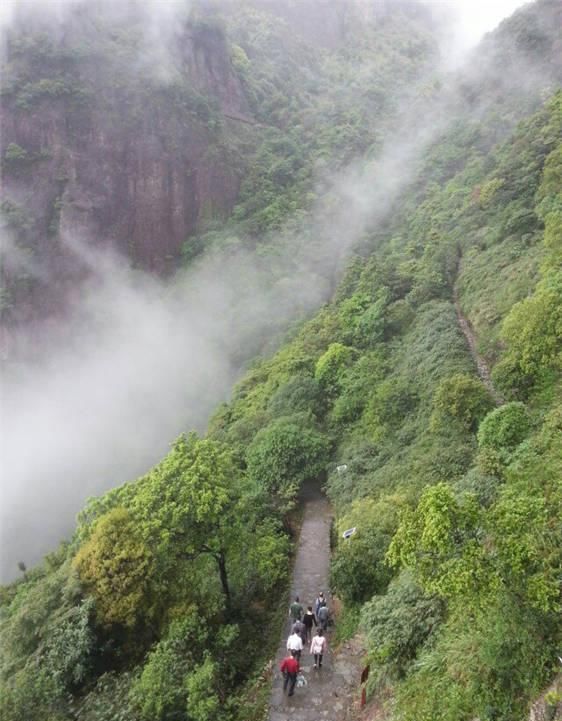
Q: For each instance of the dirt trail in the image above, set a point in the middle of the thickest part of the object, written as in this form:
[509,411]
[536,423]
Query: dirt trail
[481,365]
[327,697]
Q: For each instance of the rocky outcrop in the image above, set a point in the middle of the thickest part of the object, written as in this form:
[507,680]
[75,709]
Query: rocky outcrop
[95,150]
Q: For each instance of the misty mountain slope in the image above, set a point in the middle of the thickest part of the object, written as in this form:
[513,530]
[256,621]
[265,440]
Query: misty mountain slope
[150,610]
[457,504]
[145,613]
[147,114]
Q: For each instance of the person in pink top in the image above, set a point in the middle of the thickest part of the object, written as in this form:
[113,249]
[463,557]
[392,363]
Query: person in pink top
[318,647]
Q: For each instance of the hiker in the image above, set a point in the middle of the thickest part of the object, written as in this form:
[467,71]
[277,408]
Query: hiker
[295,645]
[300,629]
[289,669]
[318,647]
[320,601]
[323,617]
[295,611]
[309,619]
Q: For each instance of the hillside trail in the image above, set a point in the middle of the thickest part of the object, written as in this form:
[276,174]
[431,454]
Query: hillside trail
[481,364]
[330,690]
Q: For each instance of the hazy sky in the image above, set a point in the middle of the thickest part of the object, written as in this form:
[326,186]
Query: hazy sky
[476,16]
[479,16]
[473,19]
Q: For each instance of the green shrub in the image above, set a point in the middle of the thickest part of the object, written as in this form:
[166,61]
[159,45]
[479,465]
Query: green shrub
[533,329]
[109,699]
[301,394]
[160,690]
[115,566]
[394,399]
[357,385]
[15,155]
[505,427]
[398,623]
[461,398]
[482,484]
[203,702]
[479,666]
[359,569]
[282,456]
[331,367]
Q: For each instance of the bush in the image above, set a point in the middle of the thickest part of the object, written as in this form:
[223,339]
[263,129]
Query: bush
[504,428]
[358,568]
[394,399]
[109,699]
[483,485]
[203,703]
[300,394]
[533,328]
[161,691]
[331,367]
[15,155]
[282,456]
[461,398]
[399,623]
[114,565]
[479,667]
[357,384]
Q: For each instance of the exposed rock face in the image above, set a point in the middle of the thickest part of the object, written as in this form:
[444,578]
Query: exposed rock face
[117,159]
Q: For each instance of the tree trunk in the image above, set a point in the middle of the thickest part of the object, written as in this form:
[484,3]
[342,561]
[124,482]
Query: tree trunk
[221,560]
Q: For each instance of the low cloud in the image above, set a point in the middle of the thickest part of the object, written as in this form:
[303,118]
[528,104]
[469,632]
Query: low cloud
[465,22]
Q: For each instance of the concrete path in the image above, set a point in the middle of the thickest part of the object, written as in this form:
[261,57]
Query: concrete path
[326,697]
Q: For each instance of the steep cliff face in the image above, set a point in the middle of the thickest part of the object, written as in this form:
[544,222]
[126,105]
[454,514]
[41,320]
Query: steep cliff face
[134,132]
[98,149]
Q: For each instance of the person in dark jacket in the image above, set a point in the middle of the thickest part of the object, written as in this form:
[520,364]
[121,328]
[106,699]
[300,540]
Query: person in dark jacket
[323,617]
[289,669]
[309,620]
[295,611]
[300,629]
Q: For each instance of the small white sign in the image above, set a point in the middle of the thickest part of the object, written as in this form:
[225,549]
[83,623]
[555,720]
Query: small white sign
[349,532]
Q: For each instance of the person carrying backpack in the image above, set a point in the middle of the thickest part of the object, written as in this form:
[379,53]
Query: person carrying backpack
[300,629]
[320,601]
[323,617]
[318,647]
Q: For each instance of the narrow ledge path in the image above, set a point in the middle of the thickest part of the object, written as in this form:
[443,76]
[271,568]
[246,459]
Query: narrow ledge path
[329,692]
[481,364]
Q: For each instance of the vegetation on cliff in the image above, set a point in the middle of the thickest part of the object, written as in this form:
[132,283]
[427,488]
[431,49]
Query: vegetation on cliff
[153,609]
[210,136]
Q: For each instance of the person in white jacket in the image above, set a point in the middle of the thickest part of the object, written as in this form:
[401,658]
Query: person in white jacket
[294,645]
[318,647]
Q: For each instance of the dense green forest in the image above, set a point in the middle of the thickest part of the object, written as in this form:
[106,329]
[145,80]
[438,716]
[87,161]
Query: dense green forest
[453,574]
[453,577]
